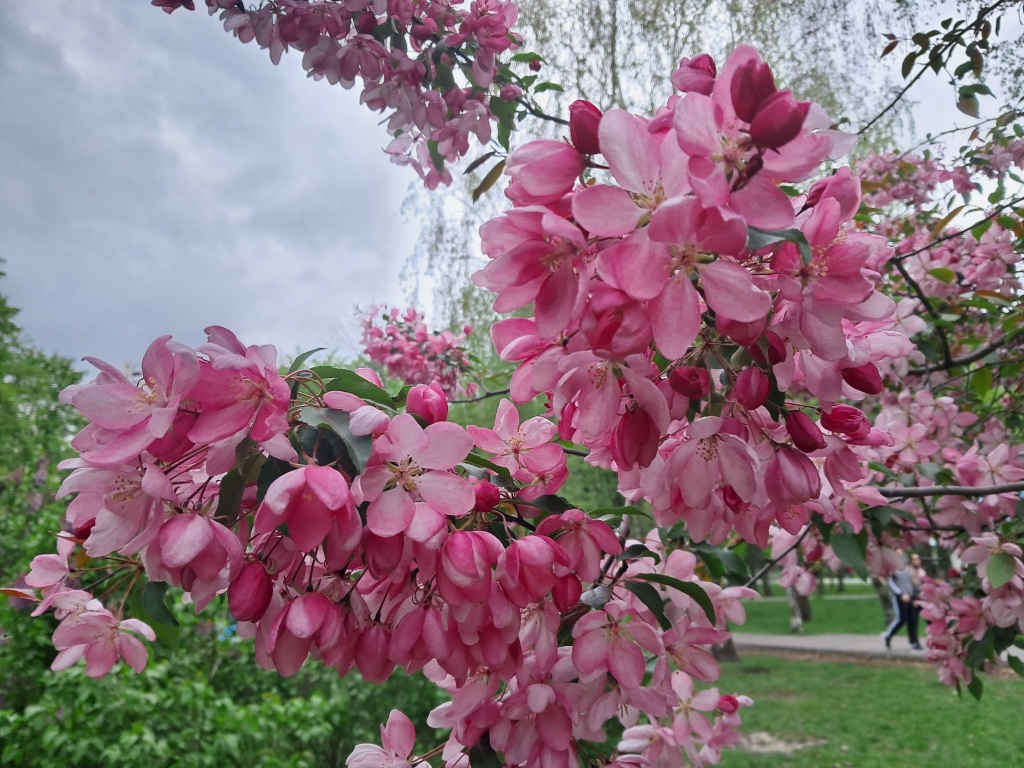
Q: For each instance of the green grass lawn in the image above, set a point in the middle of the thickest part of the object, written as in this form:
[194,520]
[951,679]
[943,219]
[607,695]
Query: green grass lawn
[873,715]
[829,613]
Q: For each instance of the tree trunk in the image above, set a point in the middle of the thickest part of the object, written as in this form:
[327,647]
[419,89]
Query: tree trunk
[796,618]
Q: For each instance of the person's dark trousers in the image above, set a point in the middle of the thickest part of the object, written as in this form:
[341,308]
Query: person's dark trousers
[905,614]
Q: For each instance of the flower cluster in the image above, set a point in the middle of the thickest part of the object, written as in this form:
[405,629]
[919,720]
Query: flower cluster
[406,54]
[344,528]
[680,300]
[413,354]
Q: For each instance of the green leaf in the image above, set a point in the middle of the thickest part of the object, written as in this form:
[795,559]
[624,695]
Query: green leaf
[688,588]
[358,446]
[1000,569]
[478,162]
[976,687]
[298,362]
[489,180]
[550,503]
[479,461]
[762,238]
[908,64]
[344,380]
[968,104]
[1015,664]
[634,551]
[482,755]
[848,549]
[650,597]
[945,274]
[981,380]
[619,511]
[148,606]
[435,156]
[541,87]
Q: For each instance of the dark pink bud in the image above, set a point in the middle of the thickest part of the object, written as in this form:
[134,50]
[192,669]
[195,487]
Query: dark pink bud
[740,332]
[249,595]
[487,496]
[696,75]
[751,84]
[846,420]
[776,350]
[864,378]
[566,592]
[584,119]
[728,704]
[804,432]
[779,121]
[751,388]
[635,440]
[690,381]
[366,24]
[535,65]
[427,402]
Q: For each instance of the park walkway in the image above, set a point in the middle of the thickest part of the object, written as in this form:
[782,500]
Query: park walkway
[856,646]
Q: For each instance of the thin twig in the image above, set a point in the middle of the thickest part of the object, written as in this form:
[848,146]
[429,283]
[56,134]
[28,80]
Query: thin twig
[974,357]
[995,213]
[775,560]
[947,355]
[950,490]
[495,393]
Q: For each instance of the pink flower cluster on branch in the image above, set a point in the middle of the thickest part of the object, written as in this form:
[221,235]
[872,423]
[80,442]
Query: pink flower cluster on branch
[678,302]
[407,55]
[342,528]
[411,353]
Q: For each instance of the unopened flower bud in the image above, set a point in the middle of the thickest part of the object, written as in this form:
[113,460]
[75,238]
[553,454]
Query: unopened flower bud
[690,381]
[751,388]
[752,83]
[510,92]
[584,119]
[534,65]
[864,378]
[366,24]
[776,350]
[487,496]
[804,432]
[427,402]
[740,332]
[779,120]
[249,595]
[696,75]
[727,704]
[846,420]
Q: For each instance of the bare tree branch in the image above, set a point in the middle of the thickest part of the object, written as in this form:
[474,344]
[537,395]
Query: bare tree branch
[950,490]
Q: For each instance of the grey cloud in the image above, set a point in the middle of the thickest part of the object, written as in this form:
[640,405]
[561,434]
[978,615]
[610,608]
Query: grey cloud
[156,176]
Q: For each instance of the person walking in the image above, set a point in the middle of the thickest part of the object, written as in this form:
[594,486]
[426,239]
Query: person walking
[904,593]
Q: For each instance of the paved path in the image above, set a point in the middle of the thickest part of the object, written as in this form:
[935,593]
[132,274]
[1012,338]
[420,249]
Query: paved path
[861,646]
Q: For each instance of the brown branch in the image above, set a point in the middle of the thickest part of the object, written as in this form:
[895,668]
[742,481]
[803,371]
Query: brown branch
[950,490]
[495,393]
[775,560]
[1009,204]
[974,357]
[947,355]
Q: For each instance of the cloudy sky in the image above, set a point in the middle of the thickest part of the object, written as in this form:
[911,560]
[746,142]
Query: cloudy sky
[157,177]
